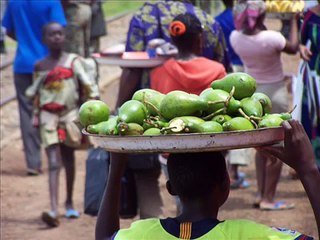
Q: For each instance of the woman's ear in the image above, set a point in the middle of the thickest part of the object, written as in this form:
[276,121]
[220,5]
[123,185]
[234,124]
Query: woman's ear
[170,189]
[224,190]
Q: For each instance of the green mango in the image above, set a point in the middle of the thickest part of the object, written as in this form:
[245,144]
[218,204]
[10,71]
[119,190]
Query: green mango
[150,98]
[233,106]
[92,112]
[237,124]
[152,132]
[264,100]
[130,129]
[251,107]
[179,103]
[211,127]
[222,118]
[147,125]
[220,96]
[132,111]
[244,84]
[108,127]
[270,120]
[162,124]
[286,116]
[185,124]
[95,128]
[189,119]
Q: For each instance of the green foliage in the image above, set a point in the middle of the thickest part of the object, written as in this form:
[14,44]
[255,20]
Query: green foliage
[113,8]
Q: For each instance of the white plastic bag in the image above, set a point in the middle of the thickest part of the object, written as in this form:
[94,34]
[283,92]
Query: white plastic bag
[309,81]
[297,90]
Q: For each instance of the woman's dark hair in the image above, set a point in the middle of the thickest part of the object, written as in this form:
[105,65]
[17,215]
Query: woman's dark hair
[194,175]
[228,3]
[184,30]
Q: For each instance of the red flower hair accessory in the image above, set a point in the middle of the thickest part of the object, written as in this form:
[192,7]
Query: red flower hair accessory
[177,28]
[62,135]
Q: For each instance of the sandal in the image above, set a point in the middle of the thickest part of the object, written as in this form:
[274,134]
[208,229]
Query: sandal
[257,201]
[33,172]
[240,183]
[241,174]
[71,213]
[280,205]
[50,218]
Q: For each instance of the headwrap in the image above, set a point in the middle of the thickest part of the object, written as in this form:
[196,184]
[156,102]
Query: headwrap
[246,13]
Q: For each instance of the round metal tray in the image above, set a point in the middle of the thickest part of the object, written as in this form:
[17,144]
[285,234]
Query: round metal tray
[277,15]
[192,142]
[134,63]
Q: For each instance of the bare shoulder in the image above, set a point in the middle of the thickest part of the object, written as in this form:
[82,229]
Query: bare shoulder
[235,34]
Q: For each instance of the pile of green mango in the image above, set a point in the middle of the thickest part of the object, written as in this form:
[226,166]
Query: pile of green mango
[231,104]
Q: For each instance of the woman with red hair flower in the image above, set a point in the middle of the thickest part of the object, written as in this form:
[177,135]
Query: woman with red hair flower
[188,71]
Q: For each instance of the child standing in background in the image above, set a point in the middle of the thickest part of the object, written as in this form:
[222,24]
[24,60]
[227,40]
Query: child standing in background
[55,92]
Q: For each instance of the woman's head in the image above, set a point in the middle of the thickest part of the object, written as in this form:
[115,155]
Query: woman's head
[53,35]
[249,15]
[186,33]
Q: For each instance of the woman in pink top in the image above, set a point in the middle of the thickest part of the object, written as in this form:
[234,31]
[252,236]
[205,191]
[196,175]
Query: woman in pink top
[260,51]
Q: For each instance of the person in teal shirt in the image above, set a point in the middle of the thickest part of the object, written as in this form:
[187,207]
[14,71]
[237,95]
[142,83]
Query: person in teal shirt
[202,183]
[23,21]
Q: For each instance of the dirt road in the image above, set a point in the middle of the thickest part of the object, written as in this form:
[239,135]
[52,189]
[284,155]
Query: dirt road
[24,198]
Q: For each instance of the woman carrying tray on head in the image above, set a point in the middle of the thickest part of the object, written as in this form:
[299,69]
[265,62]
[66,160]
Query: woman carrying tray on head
[260,51]
[188,71]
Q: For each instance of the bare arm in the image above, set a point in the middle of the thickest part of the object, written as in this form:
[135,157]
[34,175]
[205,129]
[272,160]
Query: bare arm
[311,180]
[129,80]
[292,45]
[88,86]
[108,216]
[298,154]
[305,52]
